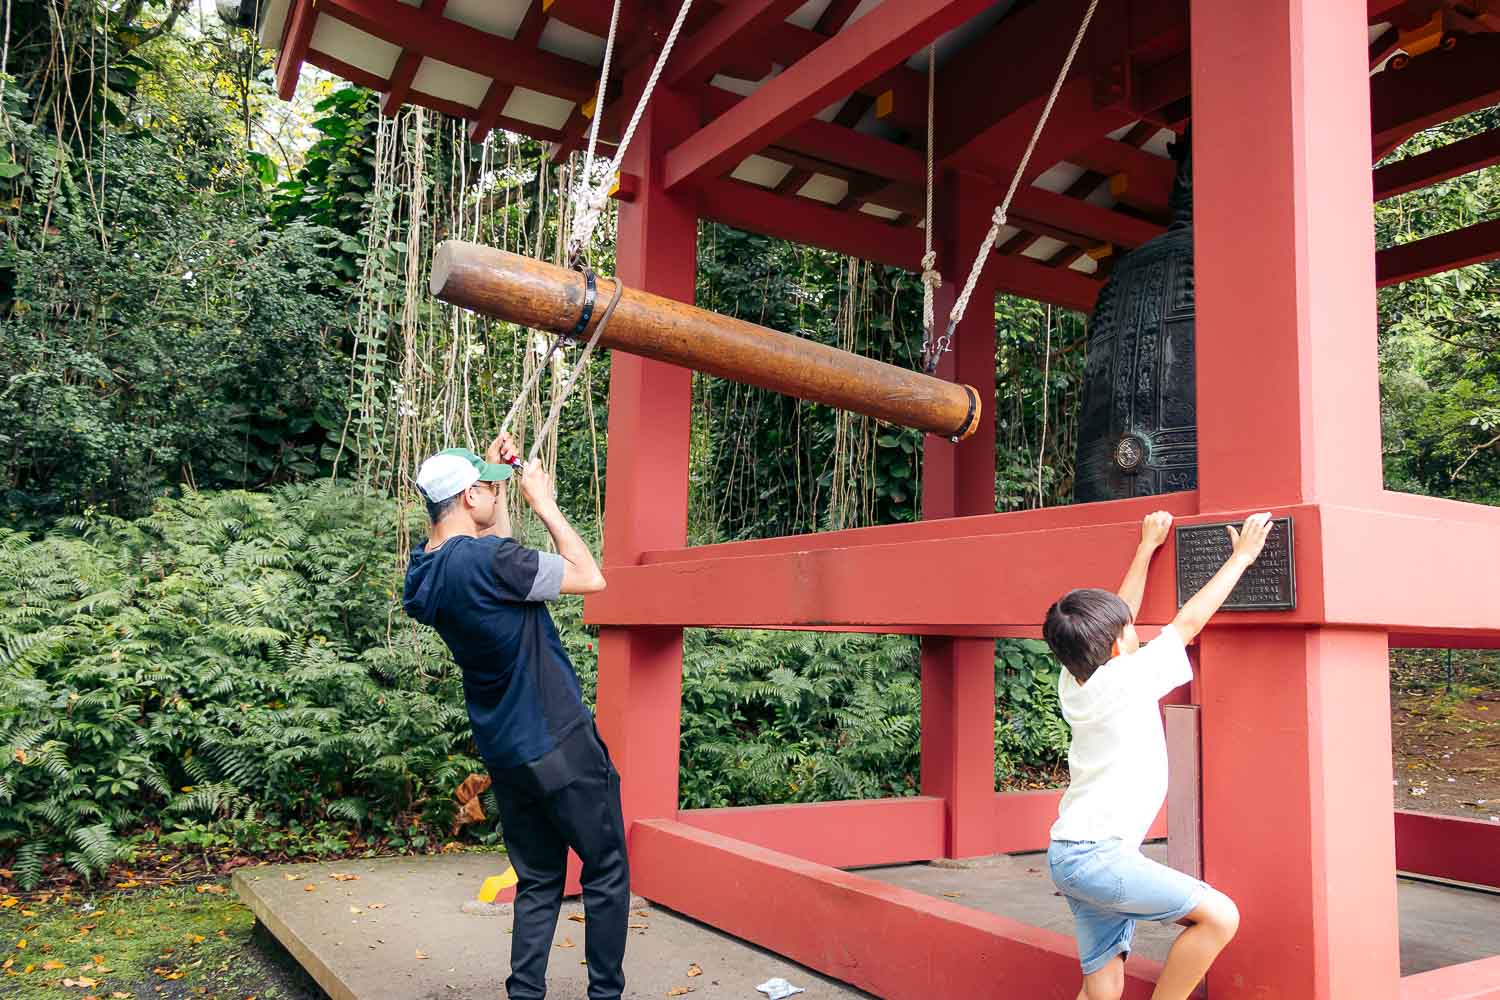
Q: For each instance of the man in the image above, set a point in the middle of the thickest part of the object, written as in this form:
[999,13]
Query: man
[486,595]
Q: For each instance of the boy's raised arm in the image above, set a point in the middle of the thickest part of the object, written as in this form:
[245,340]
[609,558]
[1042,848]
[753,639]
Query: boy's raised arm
[1247,543]
[1153,533]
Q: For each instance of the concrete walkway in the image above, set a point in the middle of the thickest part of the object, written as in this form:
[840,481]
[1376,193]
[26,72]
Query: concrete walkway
[411,907]
[409,929]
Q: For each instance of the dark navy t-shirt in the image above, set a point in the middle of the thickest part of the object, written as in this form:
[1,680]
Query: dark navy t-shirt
[485,596]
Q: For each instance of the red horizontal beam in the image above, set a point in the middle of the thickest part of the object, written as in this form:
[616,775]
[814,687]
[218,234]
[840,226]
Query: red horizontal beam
[811,223]
[1437,165]
[837,834]
[1471,245]
[884,939]
[1470,981]
[1031,43]
[1451,847]
[1148,178]
[1031,279]
[466,47]
[1453,595]
[1005,577]
[835,143]
[884,37]
[731,31]
[1435,88]
[1032,204]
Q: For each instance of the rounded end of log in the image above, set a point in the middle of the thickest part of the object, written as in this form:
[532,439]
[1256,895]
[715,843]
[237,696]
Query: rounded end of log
[976,410]
[442,267]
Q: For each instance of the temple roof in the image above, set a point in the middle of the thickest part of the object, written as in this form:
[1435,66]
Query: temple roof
[813,113]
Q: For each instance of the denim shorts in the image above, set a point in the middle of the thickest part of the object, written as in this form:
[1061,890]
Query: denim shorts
[1109,887]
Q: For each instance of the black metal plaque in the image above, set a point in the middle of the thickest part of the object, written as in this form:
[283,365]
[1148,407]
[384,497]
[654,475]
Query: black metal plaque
[1268,585]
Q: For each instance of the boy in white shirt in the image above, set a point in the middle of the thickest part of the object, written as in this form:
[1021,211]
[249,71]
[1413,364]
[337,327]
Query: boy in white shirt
[1118,768]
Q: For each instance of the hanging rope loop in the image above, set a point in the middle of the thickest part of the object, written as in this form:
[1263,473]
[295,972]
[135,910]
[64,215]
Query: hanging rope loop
[931,279]
[591,204]
[1002,210]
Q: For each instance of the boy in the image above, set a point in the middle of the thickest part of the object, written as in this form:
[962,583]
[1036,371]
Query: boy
[1117,765]
[486,595]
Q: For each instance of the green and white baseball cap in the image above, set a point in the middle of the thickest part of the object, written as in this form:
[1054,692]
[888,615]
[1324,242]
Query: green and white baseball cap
[453,470]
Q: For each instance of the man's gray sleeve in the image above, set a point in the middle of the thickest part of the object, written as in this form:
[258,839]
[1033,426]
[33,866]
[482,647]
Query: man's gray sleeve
[549,577]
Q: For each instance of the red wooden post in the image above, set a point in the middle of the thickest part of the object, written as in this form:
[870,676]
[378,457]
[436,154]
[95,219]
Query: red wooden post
[640,669]
[958,675]
[1296,722]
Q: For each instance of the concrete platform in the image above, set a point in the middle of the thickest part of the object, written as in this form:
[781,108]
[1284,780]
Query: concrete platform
[1441,925]
[408,906]
[428,907]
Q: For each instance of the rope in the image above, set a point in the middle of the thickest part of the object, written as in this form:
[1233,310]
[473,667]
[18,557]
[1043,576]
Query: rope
[1002,210]
[583,360]
[609,53]
[593,206]
[931,279]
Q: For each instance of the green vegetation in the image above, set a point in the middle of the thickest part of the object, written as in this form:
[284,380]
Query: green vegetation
[172,942]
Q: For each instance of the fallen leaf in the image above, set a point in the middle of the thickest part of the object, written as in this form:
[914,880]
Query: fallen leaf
[118,995]
[54,965]
[640,927]
[680,991]
[566,943]
[576,917]
[8,963]
[83,981]
[9,902]
[29,968]
[193,938]
[32,913]
[21,944]
[374,906]
[289,877]
[693,970]
[343,877]
[128,884]
[310,887]
[421,955]
[355,910]
[217,890]
[953,895]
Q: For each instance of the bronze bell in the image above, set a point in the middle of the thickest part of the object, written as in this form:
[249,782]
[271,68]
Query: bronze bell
[1138,428]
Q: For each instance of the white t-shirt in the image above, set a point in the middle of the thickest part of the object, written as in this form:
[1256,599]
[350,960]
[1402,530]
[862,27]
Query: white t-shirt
[1117,763]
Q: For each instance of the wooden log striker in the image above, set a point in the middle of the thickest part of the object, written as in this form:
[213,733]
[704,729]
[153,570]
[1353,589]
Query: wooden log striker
[544,296]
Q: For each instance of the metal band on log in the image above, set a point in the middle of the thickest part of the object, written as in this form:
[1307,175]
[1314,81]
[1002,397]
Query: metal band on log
[544,296]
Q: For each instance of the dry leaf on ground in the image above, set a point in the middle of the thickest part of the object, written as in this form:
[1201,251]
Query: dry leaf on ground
[693,970]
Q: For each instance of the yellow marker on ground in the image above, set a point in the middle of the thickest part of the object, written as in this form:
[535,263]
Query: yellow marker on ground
[496,884]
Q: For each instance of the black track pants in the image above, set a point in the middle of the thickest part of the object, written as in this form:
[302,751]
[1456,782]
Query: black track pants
[570,798]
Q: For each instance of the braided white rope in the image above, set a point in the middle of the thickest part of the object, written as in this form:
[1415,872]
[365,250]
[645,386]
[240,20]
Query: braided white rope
[609,54]
[931,279]
[588,216]
[567,386]
[1002,210]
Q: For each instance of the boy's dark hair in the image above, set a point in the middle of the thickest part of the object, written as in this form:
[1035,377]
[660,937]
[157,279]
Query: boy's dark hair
[1082,626]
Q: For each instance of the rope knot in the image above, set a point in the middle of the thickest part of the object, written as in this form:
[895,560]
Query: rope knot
[999,218]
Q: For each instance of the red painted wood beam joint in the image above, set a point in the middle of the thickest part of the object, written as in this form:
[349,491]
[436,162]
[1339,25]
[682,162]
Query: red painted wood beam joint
[1435,88]
[731,31]
[466,47]
[1471,245]
[406,67]
[1441,164]
[1034,207]
[295,39]
[1148,179]
[832,20]
[1451,847]
[862,51]
[497,95]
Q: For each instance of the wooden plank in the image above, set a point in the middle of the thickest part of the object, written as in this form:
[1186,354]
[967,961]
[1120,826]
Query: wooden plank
[726,36]
[1184,789]
[1437,165]
[1471,245]
[864,50]
[487,115]
[1434,89]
